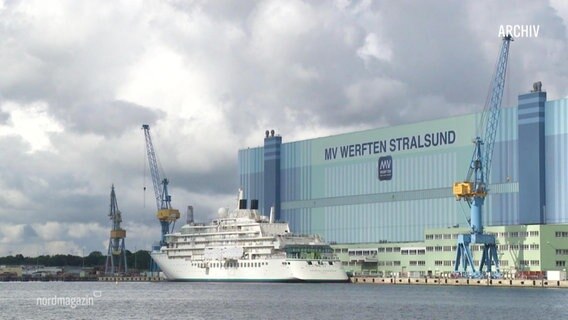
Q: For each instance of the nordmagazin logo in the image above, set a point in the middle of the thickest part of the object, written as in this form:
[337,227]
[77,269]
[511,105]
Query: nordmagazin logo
[68,301]
[385,168]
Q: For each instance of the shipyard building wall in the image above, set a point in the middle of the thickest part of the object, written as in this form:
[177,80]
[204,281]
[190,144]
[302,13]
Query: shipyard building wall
[390,184]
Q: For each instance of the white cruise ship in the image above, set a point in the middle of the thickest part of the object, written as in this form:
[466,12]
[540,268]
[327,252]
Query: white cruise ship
[244,246]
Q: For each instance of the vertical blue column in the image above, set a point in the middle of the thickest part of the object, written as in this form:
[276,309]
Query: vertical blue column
[532,188]
[272,145]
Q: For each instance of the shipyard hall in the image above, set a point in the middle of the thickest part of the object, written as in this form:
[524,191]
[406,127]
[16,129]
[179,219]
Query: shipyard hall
[383,197]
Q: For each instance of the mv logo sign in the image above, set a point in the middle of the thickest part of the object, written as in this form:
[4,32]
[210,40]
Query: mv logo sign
[385,168]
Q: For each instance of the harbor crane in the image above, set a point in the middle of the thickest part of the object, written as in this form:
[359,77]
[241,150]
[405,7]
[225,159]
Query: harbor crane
[474,188]
[166,214]
[116,254]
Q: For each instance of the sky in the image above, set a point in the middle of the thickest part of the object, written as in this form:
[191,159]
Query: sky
[79,78]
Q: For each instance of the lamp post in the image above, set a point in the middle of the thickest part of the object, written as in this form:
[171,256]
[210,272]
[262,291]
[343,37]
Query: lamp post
[135,268]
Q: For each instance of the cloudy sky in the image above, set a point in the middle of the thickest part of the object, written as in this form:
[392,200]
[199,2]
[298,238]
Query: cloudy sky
[78,78]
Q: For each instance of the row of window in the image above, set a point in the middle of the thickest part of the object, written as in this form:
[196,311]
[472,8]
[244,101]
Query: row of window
[230,265]
[562,252]
[388,263]
[561,234]
[512,234]
[449,263]
[412,252]
[362,252]
[502,247]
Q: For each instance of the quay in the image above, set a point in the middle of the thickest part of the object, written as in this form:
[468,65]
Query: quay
[129,279]
[525,283]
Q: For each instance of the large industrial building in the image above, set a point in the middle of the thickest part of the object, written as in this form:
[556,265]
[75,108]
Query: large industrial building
[384,188]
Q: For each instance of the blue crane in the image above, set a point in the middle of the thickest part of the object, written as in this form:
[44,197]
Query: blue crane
[474,189]
[166,215]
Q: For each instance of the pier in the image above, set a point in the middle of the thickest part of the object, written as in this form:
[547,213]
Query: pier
[524,283]
[129,279]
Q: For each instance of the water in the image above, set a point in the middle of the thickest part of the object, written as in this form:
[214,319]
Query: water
[164,300]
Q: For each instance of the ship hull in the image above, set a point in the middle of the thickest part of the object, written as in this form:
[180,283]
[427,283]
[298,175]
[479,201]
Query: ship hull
[260,270]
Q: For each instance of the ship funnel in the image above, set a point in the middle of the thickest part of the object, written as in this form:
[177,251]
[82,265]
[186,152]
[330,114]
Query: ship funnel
[271,214]
[189,215]
[242,203]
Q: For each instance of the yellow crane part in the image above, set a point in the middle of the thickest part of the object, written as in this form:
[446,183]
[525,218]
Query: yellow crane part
[168,215]
[464,189]
[118,234]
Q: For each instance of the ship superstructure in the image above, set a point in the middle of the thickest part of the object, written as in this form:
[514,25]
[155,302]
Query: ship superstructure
[243,245]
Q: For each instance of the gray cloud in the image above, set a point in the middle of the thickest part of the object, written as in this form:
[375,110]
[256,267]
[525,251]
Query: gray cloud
[210,77]
[110,118]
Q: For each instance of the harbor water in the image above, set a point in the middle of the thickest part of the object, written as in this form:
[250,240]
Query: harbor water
[169,300]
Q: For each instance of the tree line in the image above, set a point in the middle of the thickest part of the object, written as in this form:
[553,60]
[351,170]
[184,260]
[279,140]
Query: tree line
[139,260]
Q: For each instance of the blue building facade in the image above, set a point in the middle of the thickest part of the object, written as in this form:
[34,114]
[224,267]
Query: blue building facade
[390,184]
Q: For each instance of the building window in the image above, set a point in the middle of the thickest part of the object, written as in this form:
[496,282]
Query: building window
[421,251]
[381,249]
[561,234]
[438,237]
[429,237]
[381,263]
[429,249]
[514,234]
[504,247]
[438,262]
[396,263]
[560,263]
[504,263]
[412,263]
[455,236]
[421,263]
[534,247]
[535,263]
[438,248]
[503,234]
[404,252]
[523,234]
[524,262]
[447,248]
[389,249]
[448,263]
[533,233]
[447,236]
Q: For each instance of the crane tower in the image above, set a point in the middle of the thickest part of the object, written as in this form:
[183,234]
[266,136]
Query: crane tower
[165,214]
[474,188]
[116,255]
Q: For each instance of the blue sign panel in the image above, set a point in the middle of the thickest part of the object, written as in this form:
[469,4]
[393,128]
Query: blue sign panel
[385,168]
